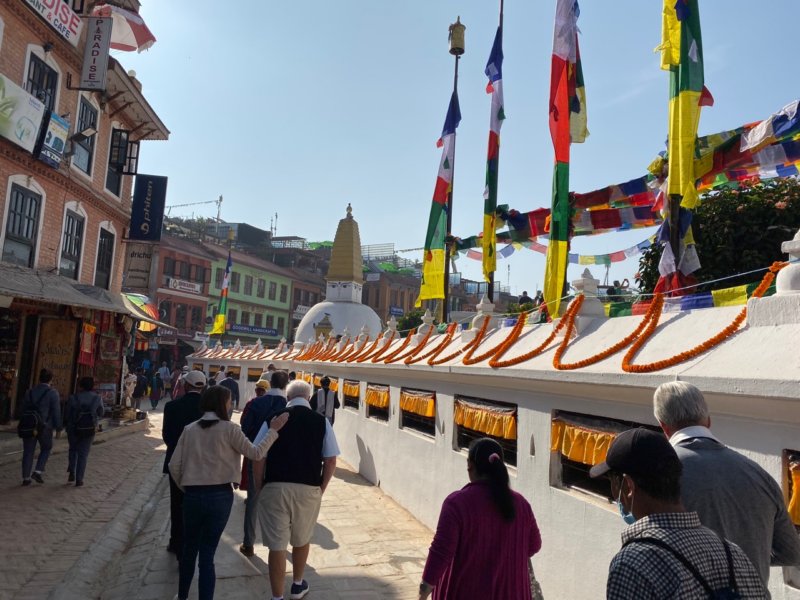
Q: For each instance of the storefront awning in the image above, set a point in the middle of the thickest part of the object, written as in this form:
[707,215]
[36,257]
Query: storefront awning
[47,286]
[140,315]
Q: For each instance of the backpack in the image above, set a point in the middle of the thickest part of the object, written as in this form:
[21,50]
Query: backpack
[731,592]
[30,423]
[85,424]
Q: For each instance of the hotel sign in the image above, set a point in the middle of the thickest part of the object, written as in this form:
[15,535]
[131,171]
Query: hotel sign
[185,286]
[95,54]
[60,16]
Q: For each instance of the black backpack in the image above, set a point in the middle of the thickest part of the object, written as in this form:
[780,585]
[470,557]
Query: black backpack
[85,424]
[30,422]
[731,592]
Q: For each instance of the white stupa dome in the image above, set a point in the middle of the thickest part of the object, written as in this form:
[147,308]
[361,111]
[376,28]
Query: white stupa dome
[350,315]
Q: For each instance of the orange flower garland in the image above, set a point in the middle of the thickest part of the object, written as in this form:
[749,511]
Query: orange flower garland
[365,349]
[306,351]
[624,343]
[400,348]
[416,350]
[495,361]
[476,340]
[337,353]
[364,357]
[629,367]
[451,329]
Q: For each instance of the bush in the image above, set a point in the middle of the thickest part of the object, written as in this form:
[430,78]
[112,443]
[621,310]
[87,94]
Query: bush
[736,230]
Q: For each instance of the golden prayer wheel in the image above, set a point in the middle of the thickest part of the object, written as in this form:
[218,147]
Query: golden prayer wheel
[456,37]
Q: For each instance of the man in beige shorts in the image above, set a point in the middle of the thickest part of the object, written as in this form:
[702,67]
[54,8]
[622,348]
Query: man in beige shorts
[297,472]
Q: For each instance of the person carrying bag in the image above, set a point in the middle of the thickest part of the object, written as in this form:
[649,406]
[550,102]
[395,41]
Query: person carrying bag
[81,415]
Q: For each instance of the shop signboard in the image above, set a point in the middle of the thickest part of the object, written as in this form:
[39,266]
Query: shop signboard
[300,311]
[185,286]
[55,141]
[396,311]
[235,328]
[20,115]
[56,352]
[138,261]
[373,277]
[60,16]
[147,210]
[95,54]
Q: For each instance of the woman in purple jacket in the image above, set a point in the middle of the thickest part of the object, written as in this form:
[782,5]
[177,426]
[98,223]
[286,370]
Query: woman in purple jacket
[485,536]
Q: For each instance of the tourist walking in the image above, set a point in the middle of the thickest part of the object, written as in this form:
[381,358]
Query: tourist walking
[156,390]
[206,462]
[485,536]
[270,400]
[140,389]
[177,415]
[42,400]
[326,401]
[80,421]
[226,380]
[300,466]
[666,552]
[732,494]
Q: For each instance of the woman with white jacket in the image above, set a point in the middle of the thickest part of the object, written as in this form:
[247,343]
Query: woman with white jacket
[205,465]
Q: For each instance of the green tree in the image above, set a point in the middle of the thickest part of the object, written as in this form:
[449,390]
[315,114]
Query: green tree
[737,231]
[410,320]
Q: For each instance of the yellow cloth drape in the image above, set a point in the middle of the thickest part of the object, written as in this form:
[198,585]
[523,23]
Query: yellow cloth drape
[377,396]
[317,380]
[583,445]
[352,388]
[497,422]
[418,402]
[794,501]
[334,385]
[307,377]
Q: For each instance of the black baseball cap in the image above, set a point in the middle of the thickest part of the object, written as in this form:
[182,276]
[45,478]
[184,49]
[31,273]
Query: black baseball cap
[635,452]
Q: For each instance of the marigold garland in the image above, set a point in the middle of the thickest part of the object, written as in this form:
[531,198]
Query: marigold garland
[371,354]
[476,340]
[365,349]
[414,351]
[495,361]
[337,353]
[399,349]
[306,350]
[451,329]
[353,349]
[629,367]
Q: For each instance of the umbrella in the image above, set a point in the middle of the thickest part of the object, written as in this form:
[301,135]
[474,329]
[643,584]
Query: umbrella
[145,306]
[129,32]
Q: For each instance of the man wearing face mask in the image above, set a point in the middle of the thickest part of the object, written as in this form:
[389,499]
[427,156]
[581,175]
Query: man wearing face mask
[666,553]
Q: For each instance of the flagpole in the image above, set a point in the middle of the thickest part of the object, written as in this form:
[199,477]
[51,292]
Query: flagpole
[490,293]
[456,49]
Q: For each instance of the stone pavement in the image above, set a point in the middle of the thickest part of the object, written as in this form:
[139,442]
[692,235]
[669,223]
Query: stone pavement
[108,539]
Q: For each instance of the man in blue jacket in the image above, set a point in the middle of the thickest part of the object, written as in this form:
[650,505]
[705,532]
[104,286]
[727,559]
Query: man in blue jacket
[43,398]
[226,381]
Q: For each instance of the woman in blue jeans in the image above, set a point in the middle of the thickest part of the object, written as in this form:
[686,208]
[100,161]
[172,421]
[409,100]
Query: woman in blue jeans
[206,463]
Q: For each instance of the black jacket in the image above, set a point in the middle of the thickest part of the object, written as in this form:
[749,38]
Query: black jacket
[233,387]
[177,415]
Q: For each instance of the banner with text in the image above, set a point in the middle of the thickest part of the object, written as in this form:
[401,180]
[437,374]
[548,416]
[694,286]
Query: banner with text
[138,261]
[95,54]
[55,141]
[147,211]
[20,115]
[60,16]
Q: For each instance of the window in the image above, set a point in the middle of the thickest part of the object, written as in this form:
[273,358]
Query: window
[296,297]
[273,289]
[377,399]
[418,411]
[83,147]
[181,311]
[480,418]
[219,277]
[196,318]
[117,157]
[169,266]
[284,292]
[305,296]
[197,274]
[351,391]
[577,442]
[232,314]
[261,288]
[165,312]
[281,323]
[42,82]
[71,246]
[105,259]
[182,269]
[235,280]
[245,320]
[259,320]
[248,285]
[22,226]
[270,321]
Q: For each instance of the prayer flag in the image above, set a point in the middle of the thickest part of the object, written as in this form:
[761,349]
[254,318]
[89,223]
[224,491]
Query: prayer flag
[219,319]
[432,283]
[494,71]
[567,124]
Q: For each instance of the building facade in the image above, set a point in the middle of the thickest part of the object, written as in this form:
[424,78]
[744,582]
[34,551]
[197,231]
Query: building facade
[65,203]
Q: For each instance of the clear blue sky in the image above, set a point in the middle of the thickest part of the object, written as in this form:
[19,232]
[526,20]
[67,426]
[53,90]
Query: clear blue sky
[301,107]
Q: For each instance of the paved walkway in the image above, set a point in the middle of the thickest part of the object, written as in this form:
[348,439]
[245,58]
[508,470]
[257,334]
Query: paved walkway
[108,539]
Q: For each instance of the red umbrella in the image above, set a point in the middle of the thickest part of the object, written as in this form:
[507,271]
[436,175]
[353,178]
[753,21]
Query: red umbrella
[129,32]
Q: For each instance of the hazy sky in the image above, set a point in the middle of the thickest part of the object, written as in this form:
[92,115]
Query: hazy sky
[298,108]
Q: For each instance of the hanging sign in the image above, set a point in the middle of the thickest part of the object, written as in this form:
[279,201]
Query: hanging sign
[95,54]
[138,261]
[55,141]
[147,211]
[60,16]
[20,115]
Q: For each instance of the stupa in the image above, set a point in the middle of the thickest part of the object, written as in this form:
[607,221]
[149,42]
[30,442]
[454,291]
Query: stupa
[345,282]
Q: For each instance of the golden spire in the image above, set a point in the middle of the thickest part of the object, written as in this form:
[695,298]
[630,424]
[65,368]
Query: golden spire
[345,262]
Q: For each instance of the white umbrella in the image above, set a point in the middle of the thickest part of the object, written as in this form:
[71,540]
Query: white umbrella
[129,32]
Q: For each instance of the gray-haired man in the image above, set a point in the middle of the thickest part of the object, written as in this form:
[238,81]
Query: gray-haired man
[733,495]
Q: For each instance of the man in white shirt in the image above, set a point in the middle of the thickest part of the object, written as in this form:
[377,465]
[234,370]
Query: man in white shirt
[326,401]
